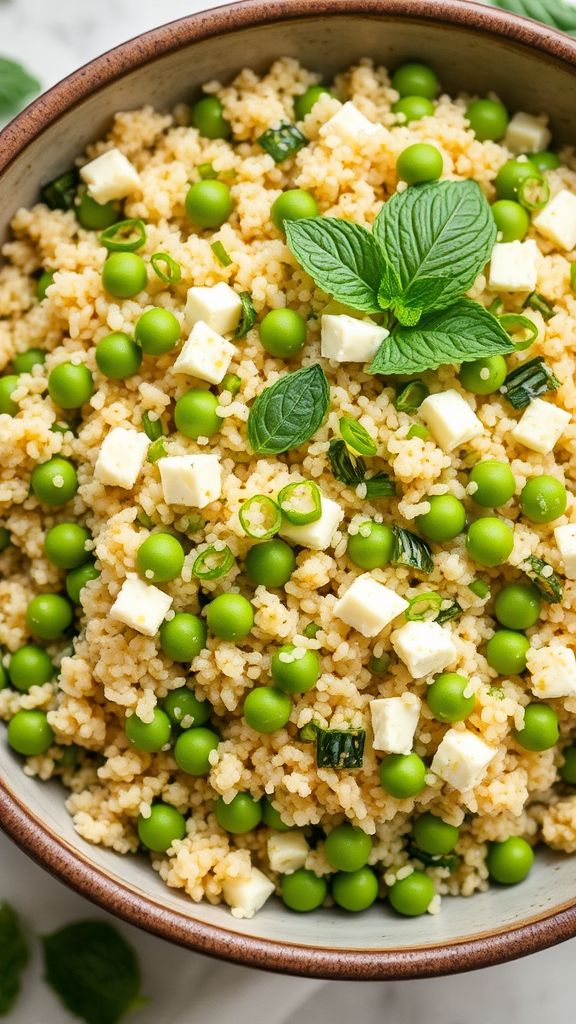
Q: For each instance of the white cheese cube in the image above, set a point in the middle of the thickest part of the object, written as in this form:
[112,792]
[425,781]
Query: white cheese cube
[369,606]
[541,426]
[220,307]
[205,354]
[553,671]
[527,134]
[450,419]
[287,851]
[565,537]
[462,759]
[192,480]
[121,457]
[348,340]
[318,535]
[424,647]
[394,721]
[110,176]
[514,266]
[349,123]
[141,606]
[247,895]
[557,221]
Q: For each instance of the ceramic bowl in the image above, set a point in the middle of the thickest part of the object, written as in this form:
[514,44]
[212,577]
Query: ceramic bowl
[475,48]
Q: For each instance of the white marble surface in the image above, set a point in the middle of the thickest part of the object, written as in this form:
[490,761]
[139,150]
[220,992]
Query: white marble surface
[53,38]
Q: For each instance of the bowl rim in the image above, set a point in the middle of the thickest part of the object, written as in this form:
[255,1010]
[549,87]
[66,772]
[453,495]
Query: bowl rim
[32,834]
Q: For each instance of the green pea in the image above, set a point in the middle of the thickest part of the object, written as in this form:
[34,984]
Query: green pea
[267,709]
[517,606]
[230,616]
[434,836]
[271,563]
[195,414]
[355,890]
[124,274]
[5,538]
[372,546]
[446,700]
[489,541]
[183,637]
[48,616]
[510,862]
[506,652]
[402,775]
[303,891]
[29,666]
[445,519]
[543,499]
[160,558]
[297,675]
[512,220]
[511,175]
[65,545]
[545,160]
[414,79]
[484,376]
[164,826]
[540,730]
[419,162]
[157,331]
[413,108]
[493,483]
[283,333]
[184,704]
[306,100]
[208,118]
[488,119]
[209,203]
[413,895]
[241,815]
[43,283]
[77,579]
[70,385]
[567,769]
[54,482]
[29,733]
[271,817]
[8,384]
[149,736]
[96,216]
[347,848]
[193,748]
[25,362]
[293,204]
[117,356]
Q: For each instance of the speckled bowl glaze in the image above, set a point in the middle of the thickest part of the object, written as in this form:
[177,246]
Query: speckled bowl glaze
[475,48]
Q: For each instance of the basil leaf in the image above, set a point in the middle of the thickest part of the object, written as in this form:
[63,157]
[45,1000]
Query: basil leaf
[13,957]
[289,412]
[464,332]
[247,316]
[557,13]
[282,142]
[436,239]
[16,86]
[342,258]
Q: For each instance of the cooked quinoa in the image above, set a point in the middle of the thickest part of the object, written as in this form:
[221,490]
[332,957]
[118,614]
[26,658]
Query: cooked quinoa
[108,672]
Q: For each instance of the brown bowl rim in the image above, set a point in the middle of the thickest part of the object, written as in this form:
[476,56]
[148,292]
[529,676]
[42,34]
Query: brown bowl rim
[30,833]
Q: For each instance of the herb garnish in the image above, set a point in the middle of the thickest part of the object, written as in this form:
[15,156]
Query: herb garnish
[411,550]
[557,13]
[538,302]
[61,193]
[529,381]
[13,957]
[16,86]
[544,579]
[247,316]
[152,428]
[221,254]
[450,861]
[340,748]
[282,142]
[289,412]
[350,469]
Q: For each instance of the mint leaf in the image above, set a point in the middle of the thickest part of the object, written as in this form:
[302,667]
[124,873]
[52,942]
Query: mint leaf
[557,13]
[464,332]
[342,258]
[289,412]
[16,86]
[13,957]
[436,238]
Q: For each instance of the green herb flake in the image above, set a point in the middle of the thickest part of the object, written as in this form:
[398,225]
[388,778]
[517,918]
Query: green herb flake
[247,316]
[152,428]
[452,610]
[60,193]
[144,519]
[283,142]
[418,430]
[357,437]
[529,381]
[289,412]
[381,485]
[411,396]
[157,450]
[347,468]
[545,580]
[173,272]
[17,86]
[539,303]
[221,254]
[339,748]
[410,550]
[195,523]
[307,734]
[13,957]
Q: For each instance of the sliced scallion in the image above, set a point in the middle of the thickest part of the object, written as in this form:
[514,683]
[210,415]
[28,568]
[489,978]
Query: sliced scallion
[221,254]
[452,610]
[340,748]
[573,276]
[357,437]
[545,580]
[513,324]
[534,193]
[144,519]
[538,302]
[213,563]
[307,733]
[411,551]
[424,606]
[260,517]
[124,236]
[157,450]
[347,468]
[450,861]
[529,381]
[411,396]
[152,428]
[381,485]
[300,503]
[231,383]
[418,430]
[173,272]
[247,316]
[195,523]
[60,193]
[282,142]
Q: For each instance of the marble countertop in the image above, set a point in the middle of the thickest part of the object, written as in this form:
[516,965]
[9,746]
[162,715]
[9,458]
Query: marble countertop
[53,39]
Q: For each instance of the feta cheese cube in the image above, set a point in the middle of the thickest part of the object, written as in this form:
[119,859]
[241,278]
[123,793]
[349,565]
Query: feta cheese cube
[141,606]
[557,221]
[565,537]
[121,457]
[394,721]
[514,266]
[287,851]
[349,340]
[110,176]
[462,759]
[205,354]
[192,480]
[349,123]
[219,306]
[368,606]
[553,671]
[450,419]
[318,535]
[527,134]
[541,426]
[247,895]
[424,647]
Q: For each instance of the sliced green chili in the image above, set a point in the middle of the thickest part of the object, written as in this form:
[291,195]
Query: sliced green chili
[173,272]
[514,322]
[221,254]
[213,563]
[411,396]
[301,502]
[231,383]
[534,193]
[270,515]
[124,236]
[420,606]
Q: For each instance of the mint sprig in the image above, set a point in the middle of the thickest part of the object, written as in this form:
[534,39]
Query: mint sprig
[13,957]
[557,13]
[17,86]
[343,259]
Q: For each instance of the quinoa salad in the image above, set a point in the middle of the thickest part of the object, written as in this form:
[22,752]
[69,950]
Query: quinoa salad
[287,514]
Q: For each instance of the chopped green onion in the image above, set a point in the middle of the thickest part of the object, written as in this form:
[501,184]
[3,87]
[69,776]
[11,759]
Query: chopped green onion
[311,629]
[513,323]
[480,588]
[195,523]
[144,519]
[529,381]
[206,171]
[301,503]
[157,450]
[247,316]
[269,517]
[431,860]
[173,272]
[411,396]
[420,606]
[124,236]
[307,733]
[221,254]
[339,748]
[573,276]
[152,428]
[231,383]
[545,580]
[347,468]
[381,485]
[357,437]
[378,666]
[61,193]
[213,563]
[411,551]
[534,193]
[538,302]
[282,142]
[451,611]
[418,430]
